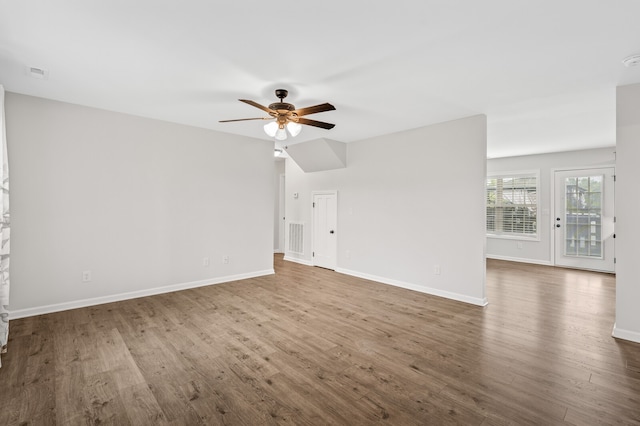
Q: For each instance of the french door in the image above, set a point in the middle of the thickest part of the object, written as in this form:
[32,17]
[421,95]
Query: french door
[584,219]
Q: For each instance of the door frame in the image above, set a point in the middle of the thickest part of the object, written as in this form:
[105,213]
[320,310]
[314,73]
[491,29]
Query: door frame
[313,226]
[552,185]
[281,213]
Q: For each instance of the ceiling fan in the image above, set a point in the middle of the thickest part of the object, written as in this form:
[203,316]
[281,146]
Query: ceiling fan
[286,116]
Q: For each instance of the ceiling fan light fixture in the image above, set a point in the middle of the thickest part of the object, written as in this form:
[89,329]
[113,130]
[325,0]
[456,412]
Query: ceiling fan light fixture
[286,118]
[271,128]
[281,134]
[294,128]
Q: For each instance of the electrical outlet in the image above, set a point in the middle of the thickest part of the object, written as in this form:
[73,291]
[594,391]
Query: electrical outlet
[205,262]
[86,276]
[519,244]
[225,259]
[436,269]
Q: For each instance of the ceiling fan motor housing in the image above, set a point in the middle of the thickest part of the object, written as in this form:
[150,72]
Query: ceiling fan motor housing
[284,112]
[281,106]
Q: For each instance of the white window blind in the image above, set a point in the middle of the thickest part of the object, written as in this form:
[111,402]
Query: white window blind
[512,205]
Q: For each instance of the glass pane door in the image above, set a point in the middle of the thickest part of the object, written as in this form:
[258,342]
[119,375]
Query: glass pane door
[584,219]
[583,216]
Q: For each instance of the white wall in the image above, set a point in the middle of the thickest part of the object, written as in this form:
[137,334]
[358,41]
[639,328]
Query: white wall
[138,202]
[627,207]
[407,202]
[541,251]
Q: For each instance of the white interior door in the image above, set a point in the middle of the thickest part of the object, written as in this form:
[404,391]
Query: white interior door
[325,214]
[584,219]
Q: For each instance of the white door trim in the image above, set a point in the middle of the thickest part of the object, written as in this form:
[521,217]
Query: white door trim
[281,212]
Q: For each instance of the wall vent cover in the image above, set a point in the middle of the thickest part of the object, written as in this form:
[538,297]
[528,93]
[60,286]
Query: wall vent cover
[37,72]
[296,241]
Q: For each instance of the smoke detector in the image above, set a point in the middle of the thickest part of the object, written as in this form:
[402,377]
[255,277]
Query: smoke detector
[631,61]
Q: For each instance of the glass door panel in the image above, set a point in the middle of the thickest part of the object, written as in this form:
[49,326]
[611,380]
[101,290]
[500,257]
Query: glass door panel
[583,216]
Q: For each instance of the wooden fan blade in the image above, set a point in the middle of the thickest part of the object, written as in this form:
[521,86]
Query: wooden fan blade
[314,109]
[246,119]
[316,123]
[257,105]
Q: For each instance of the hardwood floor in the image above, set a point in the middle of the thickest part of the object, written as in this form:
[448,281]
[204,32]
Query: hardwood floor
[310,346]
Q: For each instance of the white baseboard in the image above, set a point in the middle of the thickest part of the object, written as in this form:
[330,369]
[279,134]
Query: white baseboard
[632,336]
[278,251]
[296,260]
[427,290]
[520,259]
[65,306]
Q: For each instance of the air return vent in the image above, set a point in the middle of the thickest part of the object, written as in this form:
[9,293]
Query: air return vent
[296,232]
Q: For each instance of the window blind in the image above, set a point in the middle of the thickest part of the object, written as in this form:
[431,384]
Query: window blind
[512,205]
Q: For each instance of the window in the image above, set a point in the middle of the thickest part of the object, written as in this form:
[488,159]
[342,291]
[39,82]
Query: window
[512,205]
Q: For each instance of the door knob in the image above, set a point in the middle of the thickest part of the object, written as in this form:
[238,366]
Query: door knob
[331,232]
[558,225]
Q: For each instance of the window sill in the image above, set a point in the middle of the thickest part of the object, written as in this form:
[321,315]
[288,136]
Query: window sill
[535,238]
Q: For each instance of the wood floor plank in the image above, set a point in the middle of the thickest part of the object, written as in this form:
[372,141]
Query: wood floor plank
[259,392]
[310,346]
[141,406]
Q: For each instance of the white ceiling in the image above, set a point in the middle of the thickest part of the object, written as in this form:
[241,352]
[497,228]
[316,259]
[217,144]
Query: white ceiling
[544,72]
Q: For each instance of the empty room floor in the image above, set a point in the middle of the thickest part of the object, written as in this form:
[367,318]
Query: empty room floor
[309,346]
